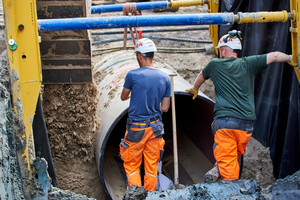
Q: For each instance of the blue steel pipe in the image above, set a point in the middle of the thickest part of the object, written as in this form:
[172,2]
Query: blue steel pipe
[134,21]
[139,6]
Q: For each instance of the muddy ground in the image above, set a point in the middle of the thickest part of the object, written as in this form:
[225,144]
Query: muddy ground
[72,124]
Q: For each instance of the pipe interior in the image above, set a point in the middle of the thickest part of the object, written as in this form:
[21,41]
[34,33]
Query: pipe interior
[194,141]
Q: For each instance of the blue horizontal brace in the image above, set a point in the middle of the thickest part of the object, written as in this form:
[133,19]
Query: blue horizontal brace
[139,6]
[134,21]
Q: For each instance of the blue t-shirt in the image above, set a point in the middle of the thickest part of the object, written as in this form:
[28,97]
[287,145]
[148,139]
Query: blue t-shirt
[148,87]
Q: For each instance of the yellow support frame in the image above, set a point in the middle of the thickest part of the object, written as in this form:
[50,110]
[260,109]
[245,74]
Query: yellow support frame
[25,66]
[213,6]
[295,36]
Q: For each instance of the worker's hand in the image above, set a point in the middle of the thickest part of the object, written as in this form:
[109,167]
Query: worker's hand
[291,62]
[193,91]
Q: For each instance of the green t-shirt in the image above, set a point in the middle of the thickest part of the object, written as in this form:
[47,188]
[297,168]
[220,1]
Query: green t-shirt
[234,84]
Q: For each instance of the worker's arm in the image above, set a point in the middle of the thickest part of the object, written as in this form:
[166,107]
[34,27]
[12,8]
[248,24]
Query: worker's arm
[198,82]
[165,104]
[125,94]
[278,57]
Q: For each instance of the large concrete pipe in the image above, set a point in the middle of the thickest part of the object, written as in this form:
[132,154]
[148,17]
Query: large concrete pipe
[193,117]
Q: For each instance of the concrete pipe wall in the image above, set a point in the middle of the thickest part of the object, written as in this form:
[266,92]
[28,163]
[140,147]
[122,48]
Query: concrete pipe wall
[193,118]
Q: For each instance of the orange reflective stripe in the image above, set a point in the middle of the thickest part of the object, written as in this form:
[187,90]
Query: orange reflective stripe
[135,179]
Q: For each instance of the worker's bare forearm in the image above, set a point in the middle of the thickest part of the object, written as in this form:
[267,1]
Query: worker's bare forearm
[277,57]
[126,93]
[165,104]
[125,98]
[199,81]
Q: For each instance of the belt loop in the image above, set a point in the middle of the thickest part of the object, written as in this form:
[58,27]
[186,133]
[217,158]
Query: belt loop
[227,118]
[129,121]
[147,122]
[160,118]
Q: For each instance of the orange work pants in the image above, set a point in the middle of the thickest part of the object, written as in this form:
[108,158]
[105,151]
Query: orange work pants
[140,140]
[230,144]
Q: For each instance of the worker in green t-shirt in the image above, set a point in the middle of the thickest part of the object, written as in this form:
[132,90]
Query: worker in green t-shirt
[233,78]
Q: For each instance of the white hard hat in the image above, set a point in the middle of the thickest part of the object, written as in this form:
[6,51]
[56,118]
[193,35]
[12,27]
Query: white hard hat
[145,45]
[233,43]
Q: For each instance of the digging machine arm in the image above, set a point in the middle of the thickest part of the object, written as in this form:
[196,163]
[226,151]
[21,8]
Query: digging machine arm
[25,67]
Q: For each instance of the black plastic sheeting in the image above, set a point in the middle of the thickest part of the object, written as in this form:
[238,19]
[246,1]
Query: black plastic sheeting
[41,141]
[277,88]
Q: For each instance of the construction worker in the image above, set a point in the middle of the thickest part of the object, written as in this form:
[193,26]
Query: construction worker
[233,79]
[149,90]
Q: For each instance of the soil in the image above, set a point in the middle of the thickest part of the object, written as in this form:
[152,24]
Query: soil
[72,123]
[70,115]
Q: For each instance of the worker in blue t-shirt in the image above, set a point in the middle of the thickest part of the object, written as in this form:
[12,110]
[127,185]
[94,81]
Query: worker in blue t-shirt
[149,90]
[233,79]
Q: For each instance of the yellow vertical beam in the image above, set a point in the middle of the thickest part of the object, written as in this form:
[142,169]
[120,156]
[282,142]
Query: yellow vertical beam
[213,5]
[295,35]
[25,66]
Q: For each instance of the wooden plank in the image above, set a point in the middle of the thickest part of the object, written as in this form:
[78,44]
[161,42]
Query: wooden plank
[60,11]
[65,47]
[58,76]
[102,2]
[66,62]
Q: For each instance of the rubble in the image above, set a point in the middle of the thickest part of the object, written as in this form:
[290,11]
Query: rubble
[287,188]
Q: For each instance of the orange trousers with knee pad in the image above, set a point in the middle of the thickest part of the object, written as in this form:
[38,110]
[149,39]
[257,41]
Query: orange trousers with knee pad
[141,141]
[231,137]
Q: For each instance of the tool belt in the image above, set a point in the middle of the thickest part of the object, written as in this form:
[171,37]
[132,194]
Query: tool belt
[155,123]
[145,121]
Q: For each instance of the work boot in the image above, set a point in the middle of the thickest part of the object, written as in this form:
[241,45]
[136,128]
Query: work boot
[212,175]
[179,186]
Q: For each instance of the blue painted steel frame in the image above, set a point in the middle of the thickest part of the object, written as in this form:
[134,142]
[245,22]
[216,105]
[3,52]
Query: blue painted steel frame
[139,6]
[134,21]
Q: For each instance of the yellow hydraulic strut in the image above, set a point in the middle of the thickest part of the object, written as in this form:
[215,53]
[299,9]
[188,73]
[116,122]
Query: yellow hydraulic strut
[295,35]
[174,4]
[282,16]
[25,67]
[213,7]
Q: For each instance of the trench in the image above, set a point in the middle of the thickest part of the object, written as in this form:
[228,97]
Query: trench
[193,119]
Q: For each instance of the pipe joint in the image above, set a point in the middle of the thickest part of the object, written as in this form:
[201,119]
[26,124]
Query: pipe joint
[292,15]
